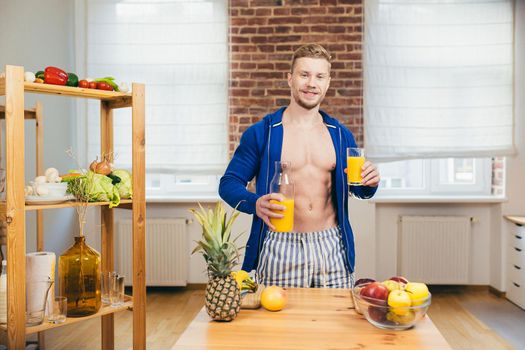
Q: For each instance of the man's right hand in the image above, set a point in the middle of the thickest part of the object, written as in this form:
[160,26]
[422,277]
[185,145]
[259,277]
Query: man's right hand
[263,208]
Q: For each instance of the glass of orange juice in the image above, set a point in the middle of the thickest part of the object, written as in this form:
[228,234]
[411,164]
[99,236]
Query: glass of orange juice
[355,159]
[282,183]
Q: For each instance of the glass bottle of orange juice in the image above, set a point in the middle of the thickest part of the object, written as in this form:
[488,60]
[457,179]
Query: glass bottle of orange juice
[282,183]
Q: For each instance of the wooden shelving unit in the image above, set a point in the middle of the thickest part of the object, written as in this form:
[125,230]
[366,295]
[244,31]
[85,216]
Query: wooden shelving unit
[104,310]
[124,204]
[36,115]
[13,209]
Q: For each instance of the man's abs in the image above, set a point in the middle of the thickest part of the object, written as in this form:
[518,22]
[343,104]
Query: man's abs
[313,160]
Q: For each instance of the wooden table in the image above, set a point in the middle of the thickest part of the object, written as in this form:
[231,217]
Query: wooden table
[313,319]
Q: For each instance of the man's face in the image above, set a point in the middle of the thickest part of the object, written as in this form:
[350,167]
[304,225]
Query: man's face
[309,81]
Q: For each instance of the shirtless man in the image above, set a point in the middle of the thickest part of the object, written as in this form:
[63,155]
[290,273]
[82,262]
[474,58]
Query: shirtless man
[320,250]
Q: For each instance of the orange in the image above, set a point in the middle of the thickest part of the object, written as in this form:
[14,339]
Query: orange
[274,298]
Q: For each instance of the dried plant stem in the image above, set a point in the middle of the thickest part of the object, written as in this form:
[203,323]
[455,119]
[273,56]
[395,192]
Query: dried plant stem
[80,189]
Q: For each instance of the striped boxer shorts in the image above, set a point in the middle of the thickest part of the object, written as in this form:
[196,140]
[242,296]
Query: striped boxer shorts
[304,260]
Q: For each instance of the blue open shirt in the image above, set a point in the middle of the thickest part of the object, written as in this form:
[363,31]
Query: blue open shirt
[260,146]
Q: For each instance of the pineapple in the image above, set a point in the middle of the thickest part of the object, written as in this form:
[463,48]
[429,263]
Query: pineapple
[223,300]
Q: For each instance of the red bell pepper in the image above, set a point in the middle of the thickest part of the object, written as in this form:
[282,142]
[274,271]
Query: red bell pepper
[55,76]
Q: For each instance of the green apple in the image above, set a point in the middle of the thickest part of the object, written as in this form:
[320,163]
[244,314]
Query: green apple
[418,292]
[391,285]
[399,302]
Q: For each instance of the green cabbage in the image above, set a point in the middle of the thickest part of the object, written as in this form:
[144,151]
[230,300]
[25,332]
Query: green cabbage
[124,187]
[101,189]
[92,187]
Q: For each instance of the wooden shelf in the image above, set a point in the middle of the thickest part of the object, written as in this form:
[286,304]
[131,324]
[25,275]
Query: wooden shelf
[29,113]
[72,204]
[104,310]
[102,95]
[124,204]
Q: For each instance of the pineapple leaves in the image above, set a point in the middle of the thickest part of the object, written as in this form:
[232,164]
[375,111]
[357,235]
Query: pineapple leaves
[216,244]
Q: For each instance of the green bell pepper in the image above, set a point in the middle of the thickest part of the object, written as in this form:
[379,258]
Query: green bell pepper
[72,80]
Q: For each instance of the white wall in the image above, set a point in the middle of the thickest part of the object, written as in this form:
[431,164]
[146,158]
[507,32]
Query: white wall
[387,231]
[197,266]
[36,34]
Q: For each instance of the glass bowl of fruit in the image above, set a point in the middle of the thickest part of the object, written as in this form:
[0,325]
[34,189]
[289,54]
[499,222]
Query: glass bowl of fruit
[388,305]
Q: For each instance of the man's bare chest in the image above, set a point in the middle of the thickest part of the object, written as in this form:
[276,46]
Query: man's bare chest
[309,148]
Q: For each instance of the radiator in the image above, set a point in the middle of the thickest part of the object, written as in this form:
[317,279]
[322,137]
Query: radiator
[167,252]
[434,249]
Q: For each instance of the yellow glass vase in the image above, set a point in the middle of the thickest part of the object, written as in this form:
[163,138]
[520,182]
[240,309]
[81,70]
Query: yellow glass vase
[79,279]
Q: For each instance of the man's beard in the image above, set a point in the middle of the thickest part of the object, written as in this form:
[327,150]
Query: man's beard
[304,104]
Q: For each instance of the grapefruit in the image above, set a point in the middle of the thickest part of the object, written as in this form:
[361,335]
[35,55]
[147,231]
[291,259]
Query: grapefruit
[274,298]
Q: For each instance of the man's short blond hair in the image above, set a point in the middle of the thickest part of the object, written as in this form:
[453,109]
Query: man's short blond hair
[312,51]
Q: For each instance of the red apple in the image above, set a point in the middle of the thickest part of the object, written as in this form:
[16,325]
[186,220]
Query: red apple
[363,281]
[399,279]
[376,291]
[377,313]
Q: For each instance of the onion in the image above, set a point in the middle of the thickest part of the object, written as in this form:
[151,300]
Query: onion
[103,168]
[93,165]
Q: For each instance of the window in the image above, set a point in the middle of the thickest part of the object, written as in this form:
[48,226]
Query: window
[179,49]
[438,92]
[448,176]
[438,79]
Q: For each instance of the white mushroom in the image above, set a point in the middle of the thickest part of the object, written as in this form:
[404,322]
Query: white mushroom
[51,174]
[40,180]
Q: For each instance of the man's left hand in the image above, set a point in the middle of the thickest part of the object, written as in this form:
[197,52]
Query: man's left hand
[370,175]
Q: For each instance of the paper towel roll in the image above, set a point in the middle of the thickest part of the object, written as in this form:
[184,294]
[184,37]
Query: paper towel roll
[40,268]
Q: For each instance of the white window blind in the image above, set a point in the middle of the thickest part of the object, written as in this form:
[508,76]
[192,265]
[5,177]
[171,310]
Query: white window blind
[438,78]
[179,49]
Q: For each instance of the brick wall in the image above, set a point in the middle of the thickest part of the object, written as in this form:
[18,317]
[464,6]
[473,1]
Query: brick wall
[263,36]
